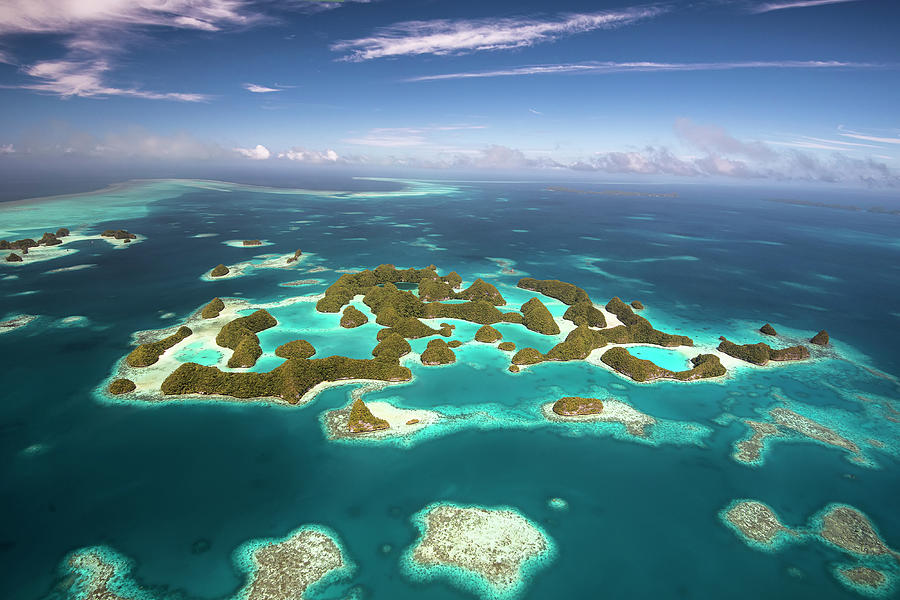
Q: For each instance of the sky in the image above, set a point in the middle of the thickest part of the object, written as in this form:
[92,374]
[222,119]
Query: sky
[737,90]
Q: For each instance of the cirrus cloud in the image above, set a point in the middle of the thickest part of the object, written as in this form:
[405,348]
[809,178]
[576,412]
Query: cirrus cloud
[443,36]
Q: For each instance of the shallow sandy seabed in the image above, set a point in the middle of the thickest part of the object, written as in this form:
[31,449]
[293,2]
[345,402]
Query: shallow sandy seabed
[498,547]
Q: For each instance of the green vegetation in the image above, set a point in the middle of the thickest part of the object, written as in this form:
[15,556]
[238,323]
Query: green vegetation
[475,311]
[232,332]
[638,369]
[574,405]
[538,318]
[252,243]
[13,257]
[62,232]
[791,353]
[757,354]
[289,381]
[637,305]
[391,348]
[119,234]
[768,329]
[761,354]
[353,317]
[49,239]
[295,349]
[512,317]
[362,420]
[147,354]
[514,368]
[820,339]
[219,271]
[121,386]
[481,290]
[562,291]
[297,254]
[638,330]
[240,336]
[454,343]
[527,356]
[585,313]
[212,310]
[488,335]
[433,290]
[438,353]
[507,346]
[705,366]
[23,245]
[246,353]
[411,328]
[577,346]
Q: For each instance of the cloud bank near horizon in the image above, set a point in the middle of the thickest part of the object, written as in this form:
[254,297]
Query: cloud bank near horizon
[708,151]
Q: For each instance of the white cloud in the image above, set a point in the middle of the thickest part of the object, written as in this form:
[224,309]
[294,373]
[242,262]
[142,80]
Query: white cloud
[260,152]
[68,78]
[462,36]
[259,89]
[310,156]
[770,6]
[714,139]
[7,149]
[74,16]
[95,31]
[602,68]
[871,138]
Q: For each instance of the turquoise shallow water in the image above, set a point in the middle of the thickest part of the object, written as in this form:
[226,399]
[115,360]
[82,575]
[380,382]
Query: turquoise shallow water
[150,482]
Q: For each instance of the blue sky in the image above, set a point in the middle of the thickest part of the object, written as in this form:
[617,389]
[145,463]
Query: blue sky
[800,90]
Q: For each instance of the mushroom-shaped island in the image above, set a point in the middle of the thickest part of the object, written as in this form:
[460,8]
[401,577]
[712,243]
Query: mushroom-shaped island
[121,386]
[820,339]
[437,352]
[761,353]
[768,329]
[538,318]
[147,354]
[353,317]
[219,271]
[574,405]
[13,257]
[212,310]
[295,349]
[362,420]
[637,305]
[488,335]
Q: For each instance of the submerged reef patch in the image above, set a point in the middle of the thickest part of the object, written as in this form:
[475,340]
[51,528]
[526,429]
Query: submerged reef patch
[492,552]
[289,568]
[837,525]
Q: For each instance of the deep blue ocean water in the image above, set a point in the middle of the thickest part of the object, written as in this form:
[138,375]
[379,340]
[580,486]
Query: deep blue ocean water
[642,519]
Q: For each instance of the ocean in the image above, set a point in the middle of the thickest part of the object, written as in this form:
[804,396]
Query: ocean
[176,487]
